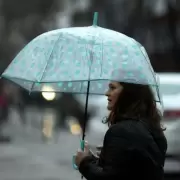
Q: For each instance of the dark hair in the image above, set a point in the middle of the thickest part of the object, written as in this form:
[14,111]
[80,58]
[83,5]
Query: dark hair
[136,102]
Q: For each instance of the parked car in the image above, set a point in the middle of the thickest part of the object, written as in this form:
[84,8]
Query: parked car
[170,90]
[172,163]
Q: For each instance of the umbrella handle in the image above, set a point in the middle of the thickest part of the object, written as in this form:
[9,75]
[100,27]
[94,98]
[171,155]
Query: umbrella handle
[73,159]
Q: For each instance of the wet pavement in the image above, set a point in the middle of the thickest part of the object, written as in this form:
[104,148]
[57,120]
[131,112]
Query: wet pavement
[24,160]
[27,157]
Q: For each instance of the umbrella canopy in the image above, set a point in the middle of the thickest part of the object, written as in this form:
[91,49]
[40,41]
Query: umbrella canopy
[67,59]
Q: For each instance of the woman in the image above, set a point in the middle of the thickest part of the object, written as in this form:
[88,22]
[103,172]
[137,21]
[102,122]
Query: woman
[134,145]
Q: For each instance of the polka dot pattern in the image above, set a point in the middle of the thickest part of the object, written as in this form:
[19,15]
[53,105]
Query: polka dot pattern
[68,58]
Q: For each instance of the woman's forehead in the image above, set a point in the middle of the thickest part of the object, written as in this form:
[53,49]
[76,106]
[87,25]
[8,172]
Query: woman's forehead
[114,83]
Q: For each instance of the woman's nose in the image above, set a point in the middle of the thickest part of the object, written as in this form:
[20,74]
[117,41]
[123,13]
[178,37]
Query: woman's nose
[107,93]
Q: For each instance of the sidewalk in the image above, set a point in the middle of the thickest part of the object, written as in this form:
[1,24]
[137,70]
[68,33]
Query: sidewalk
[37,162]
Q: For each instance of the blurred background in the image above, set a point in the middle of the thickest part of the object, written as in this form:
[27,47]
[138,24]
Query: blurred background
[40,132]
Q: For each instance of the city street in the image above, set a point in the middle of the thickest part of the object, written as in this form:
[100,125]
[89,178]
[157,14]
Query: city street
[27,157]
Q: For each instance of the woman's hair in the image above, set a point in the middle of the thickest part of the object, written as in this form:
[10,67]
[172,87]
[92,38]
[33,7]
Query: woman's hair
[136,102]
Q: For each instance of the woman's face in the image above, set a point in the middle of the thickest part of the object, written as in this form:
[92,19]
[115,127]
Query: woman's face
[113,93]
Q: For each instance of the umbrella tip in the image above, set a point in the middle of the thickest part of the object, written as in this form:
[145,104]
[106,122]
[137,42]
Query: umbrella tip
[95,19]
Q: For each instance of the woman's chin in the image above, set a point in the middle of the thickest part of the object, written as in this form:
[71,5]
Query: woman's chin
[109,107]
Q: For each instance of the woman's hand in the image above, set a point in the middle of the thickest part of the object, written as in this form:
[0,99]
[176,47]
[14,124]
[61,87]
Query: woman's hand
[99,148]
[80,155]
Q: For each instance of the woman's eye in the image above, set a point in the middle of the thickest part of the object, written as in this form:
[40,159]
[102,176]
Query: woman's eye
[112,87]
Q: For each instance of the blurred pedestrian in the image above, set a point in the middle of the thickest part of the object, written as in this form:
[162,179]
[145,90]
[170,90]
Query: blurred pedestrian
[3,108]
[4,111]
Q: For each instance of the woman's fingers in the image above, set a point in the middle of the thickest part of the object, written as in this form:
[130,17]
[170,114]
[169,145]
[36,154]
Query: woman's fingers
[99,147]
[98,153]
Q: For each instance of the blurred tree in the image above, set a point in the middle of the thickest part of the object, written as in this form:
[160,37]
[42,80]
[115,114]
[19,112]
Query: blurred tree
[22,20]
[153,23]
[173,24]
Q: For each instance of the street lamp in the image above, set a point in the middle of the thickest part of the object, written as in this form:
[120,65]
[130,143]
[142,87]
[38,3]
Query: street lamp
[48,93]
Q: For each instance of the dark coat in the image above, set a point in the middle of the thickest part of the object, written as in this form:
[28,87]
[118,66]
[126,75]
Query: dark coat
[131,150]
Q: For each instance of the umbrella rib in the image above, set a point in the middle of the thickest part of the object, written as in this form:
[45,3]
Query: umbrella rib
[146,60]
[157,89]
[102,57]
[49,58]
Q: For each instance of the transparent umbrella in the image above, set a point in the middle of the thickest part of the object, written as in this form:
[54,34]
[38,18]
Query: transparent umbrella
[81,60]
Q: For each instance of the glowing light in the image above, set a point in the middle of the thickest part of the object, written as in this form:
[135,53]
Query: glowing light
[48,93]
